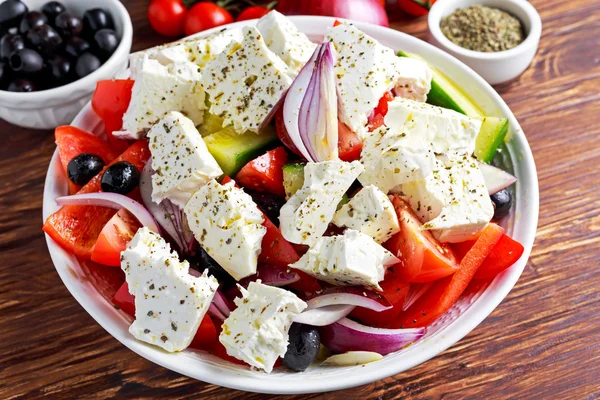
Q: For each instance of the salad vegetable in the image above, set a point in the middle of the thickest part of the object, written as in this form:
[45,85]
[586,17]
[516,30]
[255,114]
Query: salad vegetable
[273,196]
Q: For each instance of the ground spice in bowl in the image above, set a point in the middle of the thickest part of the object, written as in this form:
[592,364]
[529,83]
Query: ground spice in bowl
[482,28]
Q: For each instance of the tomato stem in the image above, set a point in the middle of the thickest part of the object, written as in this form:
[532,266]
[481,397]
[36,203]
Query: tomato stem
[426,4]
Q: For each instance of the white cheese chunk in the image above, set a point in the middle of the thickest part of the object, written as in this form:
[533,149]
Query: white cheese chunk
[245,82]
[393,157]
[180,159]
[453,201]
[446,130]
[371,212]
[256,332]
[306,215]
[161,89]
[351,259]
[365,70]
[169,302]
[415,78]
[198,50]
[228,225]
[284,39]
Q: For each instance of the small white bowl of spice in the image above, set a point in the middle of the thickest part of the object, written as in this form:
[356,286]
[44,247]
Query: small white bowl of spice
[497,38]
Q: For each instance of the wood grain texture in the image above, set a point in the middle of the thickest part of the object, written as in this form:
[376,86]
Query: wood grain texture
[542,342]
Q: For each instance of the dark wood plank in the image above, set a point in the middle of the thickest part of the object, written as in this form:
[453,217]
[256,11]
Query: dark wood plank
[542,342]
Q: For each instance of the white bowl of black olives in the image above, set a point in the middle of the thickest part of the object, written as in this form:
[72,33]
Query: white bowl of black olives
[52,53]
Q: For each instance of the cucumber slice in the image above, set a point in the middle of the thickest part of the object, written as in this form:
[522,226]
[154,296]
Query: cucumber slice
[293,178]
[212,123]
[445,93]
[233,151]
[491,135]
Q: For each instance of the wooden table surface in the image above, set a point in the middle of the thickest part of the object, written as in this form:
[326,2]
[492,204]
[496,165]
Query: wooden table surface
[542,342]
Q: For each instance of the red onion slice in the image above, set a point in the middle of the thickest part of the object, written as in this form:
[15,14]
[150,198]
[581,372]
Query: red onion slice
[415,291]
[111,200]
[168,215]
[214,311]
[221,302]
[495,178]
[324,316]
[310,108]
[126,135]
[273,276]
[347,335]
[350,296]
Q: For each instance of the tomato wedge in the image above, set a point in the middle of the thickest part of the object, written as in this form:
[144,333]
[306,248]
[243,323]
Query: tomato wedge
[114,238]
[377,118]
[76,228]
[72,141]
[349,144]
[205,337]
[110,101]
[395,291]
[506,252]
[422,257]
[445,292]
[265,173]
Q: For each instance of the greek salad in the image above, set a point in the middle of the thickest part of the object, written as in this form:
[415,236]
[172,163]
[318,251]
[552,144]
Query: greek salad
[275,201]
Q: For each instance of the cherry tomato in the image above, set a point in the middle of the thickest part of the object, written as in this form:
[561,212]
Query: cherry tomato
[417,8]
[252,13]
[205,15]
[265,173]
[167,16]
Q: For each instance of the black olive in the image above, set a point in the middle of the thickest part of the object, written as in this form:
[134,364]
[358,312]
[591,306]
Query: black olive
[9,44]
[106,42]
[83,167]
[269,203]
[11,13]
[21,85]
[31,20]
[52,9]
[68,24]
[502,203]
[3,74]
[86,64]
[303,347]
[96,19]
[26,60]
[45,40]
[121,177]
[60,69]
[76,46]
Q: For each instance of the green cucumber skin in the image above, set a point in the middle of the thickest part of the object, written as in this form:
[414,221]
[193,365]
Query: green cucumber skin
[492,134]
[232,155]
[493,130]
[293,178]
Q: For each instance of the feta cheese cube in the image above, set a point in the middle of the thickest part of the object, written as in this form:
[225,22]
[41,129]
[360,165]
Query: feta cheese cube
[284,39]
[371,212]
[169,302]
[306,215]
[446,130]
[228,224]
[161,89]
[453,201]
[198,50]
[415,78]
[365,70]
[180,159]
[393,157]
[245,82]
[351,259]
[256,332]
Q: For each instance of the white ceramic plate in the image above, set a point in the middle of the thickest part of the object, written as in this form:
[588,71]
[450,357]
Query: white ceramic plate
[465,316]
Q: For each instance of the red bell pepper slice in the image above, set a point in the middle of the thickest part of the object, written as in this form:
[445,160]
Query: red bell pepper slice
[506,252]
[110,102]
[76,228]
[445,292]
[265,173]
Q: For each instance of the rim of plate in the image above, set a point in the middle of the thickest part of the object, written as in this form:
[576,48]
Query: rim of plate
[207,368]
